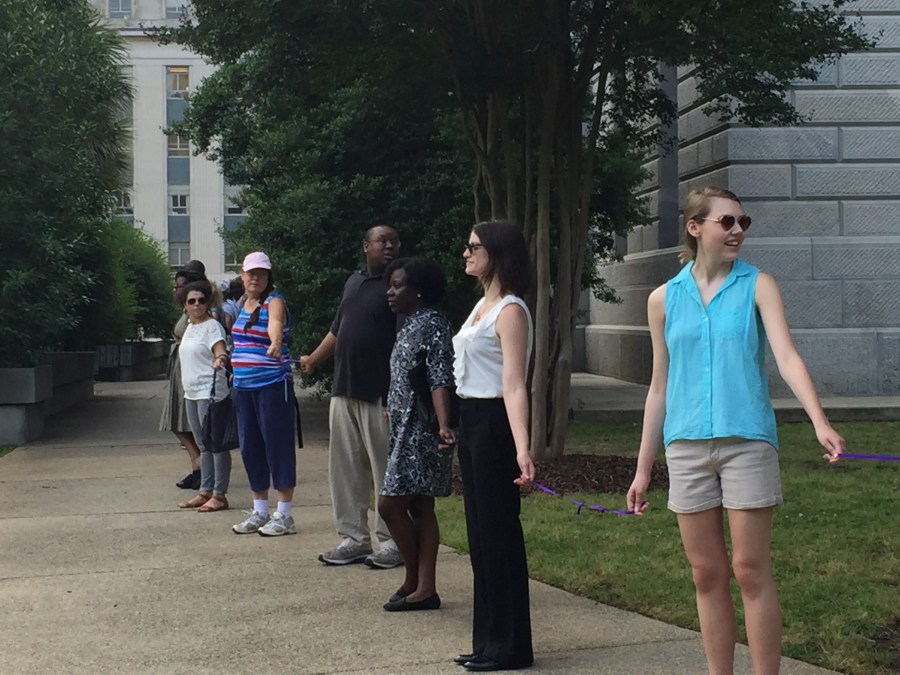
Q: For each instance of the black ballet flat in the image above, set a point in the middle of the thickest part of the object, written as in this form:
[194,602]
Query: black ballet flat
[462,659]
[403,605]
[399,595]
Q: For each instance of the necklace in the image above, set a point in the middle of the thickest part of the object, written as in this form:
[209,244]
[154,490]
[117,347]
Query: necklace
[485,306]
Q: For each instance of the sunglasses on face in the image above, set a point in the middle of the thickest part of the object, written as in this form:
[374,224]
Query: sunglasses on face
[727,222]
[471,248]
[196,301]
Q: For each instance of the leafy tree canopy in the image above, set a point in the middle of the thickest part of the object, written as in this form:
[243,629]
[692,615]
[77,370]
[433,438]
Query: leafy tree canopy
[61,131]
[327,145]
[338,113]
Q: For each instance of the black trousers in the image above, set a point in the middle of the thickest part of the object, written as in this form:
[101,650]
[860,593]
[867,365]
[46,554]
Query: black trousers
[501,627]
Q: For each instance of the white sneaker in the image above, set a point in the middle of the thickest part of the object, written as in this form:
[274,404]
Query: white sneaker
[252,524]
[385,558]
[348,553]
[278,525]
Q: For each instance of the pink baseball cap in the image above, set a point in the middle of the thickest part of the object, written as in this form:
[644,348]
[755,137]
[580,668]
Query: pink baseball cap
[256,261]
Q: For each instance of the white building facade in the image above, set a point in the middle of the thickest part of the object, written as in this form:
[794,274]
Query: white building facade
[825,203]
[176,197]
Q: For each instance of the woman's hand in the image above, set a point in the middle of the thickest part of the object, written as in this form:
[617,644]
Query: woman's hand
[274,350]
[637,493]
[832,441]
[448,438]
[526,466]
[220,362]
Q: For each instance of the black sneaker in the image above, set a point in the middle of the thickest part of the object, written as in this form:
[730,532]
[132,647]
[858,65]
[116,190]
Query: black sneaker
[190,482]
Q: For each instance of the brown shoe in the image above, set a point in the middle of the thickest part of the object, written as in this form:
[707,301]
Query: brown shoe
[215,503]
[195,501]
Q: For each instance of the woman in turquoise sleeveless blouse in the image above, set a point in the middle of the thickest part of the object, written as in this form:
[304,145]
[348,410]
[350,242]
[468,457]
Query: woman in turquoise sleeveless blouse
[709,404]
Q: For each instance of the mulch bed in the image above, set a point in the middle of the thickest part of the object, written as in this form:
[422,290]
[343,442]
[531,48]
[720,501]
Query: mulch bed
[586,473]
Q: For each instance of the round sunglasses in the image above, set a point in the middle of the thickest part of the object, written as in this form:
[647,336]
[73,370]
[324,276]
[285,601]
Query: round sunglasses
[196,301]
[727,222]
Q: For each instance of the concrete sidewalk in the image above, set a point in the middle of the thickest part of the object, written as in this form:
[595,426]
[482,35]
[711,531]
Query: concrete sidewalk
[100,572]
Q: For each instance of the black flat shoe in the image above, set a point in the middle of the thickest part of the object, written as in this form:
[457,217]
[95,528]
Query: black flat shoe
[190,482]
[483,665]
[402,605]
[399,595]
[462,659]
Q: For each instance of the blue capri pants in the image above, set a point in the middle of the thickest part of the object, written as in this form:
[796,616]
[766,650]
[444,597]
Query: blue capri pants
[266,431]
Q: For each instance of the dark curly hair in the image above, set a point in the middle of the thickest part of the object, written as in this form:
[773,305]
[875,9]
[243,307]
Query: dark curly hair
[424,275]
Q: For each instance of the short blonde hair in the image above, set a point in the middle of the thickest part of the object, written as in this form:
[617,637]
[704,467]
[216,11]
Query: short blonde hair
[696,207]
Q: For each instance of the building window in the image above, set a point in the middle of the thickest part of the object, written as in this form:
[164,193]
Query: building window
[231,207]
[179,253]
[178,202]
[232,260]
[178,146]
[176,9]
[125,206]
[119,9]
[176,81]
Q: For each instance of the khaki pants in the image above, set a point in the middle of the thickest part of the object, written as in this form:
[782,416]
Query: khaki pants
[358,452]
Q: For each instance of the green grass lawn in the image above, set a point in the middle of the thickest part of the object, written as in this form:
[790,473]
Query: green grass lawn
[836,546]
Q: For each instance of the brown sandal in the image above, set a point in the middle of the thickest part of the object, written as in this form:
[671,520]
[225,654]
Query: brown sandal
[195,501]
[215,503]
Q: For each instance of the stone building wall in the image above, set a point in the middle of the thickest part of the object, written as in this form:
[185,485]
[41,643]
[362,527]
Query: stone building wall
[825,202]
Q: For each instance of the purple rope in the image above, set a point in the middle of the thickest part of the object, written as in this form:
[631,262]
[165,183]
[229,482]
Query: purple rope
[581,505]
[882,458]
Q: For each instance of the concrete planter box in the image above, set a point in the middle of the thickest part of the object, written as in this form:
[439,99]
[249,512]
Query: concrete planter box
[129,361]
[26,385]
[30,395]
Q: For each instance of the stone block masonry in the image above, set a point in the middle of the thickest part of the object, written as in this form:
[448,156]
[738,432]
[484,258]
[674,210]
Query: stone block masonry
[825,202]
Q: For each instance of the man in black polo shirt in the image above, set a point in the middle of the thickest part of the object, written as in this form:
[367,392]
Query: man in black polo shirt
[361,339]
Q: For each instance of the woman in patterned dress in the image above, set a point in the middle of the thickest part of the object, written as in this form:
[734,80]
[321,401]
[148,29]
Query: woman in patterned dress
[422,440]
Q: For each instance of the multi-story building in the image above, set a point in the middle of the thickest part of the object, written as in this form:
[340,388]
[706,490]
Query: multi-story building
[824,198]
[175,196]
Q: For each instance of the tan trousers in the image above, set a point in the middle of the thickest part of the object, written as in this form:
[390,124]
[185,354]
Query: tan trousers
[358,452]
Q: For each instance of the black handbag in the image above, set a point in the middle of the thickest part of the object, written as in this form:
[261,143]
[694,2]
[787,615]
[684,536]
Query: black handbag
[418,380]
[220,429]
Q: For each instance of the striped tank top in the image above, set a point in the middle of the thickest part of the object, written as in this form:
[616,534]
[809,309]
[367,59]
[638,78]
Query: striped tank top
[253,369]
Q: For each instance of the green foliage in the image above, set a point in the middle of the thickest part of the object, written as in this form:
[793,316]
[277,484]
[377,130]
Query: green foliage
[147,270]
[835,549]
[61,108]
[131,292]
[327,145]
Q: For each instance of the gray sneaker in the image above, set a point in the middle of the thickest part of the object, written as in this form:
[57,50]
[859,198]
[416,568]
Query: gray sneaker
[252,524]
[278,525]
[347,553]
[386,558]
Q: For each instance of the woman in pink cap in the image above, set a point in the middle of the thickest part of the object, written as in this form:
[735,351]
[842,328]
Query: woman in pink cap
[264,399]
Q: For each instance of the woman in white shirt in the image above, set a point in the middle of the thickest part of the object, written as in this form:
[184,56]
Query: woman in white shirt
[492,349]
[202,353]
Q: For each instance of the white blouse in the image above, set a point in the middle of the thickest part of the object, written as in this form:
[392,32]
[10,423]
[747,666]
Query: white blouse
[478,360]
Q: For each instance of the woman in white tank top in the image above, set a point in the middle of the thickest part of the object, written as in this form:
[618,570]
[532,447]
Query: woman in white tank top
[492,350]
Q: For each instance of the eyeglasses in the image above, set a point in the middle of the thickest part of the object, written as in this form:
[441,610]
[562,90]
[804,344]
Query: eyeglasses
[384,241]
[196,301]
[727,222]
[471,248]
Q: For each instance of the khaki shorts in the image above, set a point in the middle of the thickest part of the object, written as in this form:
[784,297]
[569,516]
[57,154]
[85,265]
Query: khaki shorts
[732,472]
